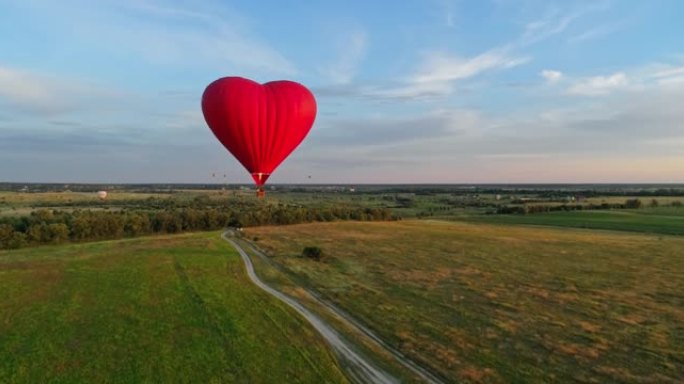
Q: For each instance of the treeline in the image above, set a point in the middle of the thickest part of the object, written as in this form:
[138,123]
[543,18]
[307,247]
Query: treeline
[46,226]
[532,209]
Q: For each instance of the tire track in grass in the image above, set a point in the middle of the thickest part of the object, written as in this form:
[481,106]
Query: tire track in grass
[414,367]
[359,368]
[215,325]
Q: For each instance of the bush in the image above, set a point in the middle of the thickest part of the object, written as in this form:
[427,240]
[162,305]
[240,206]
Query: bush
[314,253]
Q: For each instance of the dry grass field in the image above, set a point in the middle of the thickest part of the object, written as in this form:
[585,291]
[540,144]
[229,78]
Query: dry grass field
[493,303]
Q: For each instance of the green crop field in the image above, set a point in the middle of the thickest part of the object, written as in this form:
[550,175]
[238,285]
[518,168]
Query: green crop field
[494,303]
[160,309]
[665,220]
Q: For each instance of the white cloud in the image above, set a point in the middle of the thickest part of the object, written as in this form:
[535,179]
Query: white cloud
[439,72]
[440,66]
[448,9]
[210,43]
[450,19]
[352,52]
[599,85]
[411,90]
[668,75]
[542,29]
[551,76]
[204,35]
[22,88]
[526,144]
[669,72]
[185,120]
[594,33]
[43,94]
[556,22]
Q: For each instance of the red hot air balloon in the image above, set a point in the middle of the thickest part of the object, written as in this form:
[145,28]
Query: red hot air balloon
[260,124]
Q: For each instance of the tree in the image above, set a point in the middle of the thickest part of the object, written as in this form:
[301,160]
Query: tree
[633,203]
[38,233]
[6,235]
[17,240]
[58,232]
[137,224]
[81,228]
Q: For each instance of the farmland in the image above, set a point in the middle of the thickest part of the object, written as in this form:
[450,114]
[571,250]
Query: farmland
[496,303]
[155,309]
[575,285]
[652,220]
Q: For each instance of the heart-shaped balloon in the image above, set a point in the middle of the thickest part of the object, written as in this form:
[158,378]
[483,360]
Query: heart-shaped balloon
[259,124]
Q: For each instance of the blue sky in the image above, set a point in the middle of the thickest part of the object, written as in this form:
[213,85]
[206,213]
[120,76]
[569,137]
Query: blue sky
[408,92]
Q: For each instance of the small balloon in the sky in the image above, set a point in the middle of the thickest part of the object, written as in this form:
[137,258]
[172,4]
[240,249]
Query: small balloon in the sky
[260,124]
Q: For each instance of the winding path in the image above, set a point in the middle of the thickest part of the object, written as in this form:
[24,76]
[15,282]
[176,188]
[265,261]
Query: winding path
[360,368]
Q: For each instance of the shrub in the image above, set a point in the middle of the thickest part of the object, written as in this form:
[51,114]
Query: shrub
[314,253]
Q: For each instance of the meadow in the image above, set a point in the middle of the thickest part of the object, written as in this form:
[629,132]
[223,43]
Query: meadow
[663,220]
[153,309]
[494,303]
[470,293]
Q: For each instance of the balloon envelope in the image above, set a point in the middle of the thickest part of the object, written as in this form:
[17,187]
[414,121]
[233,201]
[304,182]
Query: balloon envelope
[102,195]
[259,124]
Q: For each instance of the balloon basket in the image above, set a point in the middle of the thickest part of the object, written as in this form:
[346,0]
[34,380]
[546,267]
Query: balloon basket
[260,193]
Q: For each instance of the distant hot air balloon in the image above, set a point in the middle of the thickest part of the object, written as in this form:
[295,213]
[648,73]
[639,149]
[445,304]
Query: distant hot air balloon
[259,124]
[102,195]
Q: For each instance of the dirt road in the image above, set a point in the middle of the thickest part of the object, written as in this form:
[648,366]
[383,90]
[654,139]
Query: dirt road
[358,367]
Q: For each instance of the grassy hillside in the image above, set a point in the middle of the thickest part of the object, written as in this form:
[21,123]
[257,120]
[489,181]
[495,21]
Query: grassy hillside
[162,309]
[665,220]
[492,303]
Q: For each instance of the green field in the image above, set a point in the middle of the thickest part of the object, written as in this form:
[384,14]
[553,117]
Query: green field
[665,220]
[492,303]
[161,309]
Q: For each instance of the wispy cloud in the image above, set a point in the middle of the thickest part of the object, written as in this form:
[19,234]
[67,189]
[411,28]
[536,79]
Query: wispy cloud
[528,143]
[541,29]
[386,130]
[668,75]
[440,70]
[557,21]
[593,33]
[653,76]
[551,145]
[42,94]
[352,50]
[551,76]
[448,12]
[440,66]
[24,90]
[205,35]
[668,72]
[599,85]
